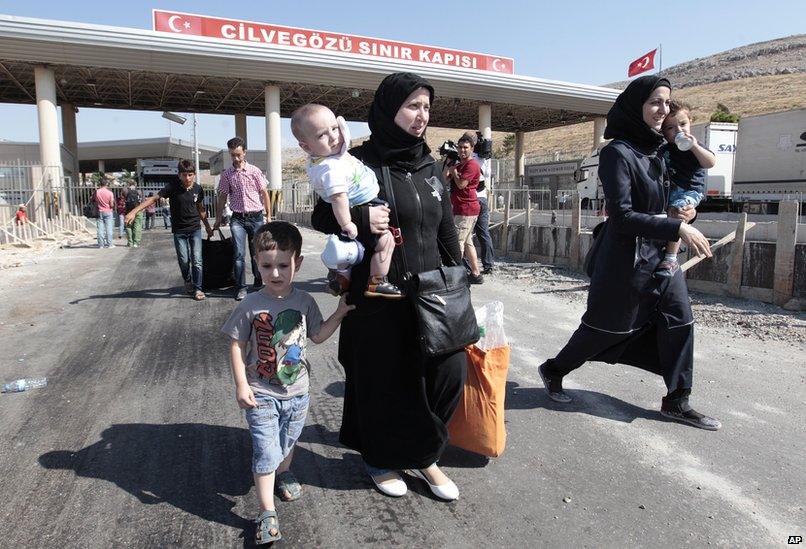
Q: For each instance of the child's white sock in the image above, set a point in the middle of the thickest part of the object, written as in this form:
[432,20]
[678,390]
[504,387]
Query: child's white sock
[670,256]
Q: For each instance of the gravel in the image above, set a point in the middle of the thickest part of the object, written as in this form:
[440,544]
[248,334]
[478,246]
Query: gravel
[734,317]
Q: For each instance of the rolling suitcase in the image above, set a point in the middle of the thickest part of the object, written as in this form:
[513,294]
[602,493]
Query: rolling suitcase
[217,263]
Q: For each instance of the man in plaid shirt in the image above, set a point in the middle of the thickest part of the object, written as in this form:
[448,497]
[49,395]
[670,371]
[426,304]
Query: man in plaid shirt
[245,186]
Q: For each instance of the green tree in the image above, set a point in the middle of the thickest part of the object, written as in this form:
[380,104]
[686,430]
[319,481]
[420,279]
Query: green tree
[723,114]
[507,146]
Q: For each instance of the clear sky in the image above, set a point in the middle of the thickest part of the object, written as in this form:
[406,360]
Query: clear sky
[590,42]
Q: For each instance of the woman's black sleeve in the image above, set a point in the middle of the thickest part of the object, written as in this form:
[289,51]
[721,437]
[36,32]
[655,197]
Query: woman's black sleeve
[323,220]
[447,228]
[616,177]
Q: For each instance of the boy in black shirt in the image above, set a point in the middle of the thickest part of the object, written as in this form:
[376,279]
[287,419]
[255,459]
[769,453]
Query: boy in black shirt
[187,209]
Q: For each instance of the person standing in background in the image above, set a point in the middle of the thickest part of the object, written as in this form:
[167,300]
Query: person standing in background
[151,213]
[120,208]
[245,186]
[105,200]
[482,228]
[134,229]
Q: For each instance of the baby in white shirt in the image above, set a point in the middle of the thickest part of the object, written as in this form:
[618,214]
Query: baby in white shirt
[345,182]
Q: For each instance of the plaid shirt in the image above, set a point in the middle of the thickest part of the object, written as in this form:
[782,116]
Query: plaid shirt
[244,188]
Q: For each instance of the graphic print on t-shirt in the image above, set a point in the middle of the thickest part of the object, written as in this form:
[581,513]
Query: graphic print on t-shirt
[279,346]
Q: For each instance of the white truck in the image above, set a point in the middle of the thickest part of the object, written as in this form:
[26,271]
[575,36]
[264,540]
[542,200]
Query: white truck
[771,162]
[718,137]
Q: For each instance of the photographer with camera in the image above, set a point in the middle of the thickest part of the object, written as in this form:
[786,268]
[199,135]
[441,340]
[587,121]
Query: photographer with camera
[463,173]
[482,152]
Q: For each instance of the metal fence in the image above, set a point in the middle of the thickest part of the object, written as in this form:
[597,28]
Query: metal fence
[48,198]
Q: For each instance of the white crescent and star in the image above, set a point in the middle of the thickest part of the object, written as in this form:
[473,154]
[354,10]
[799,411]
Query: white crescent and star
[499,65]
[172,19]
[644,63]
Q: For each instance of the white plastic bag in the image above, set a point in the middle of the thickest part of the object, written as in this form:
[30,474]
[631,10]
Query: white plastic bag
[490,319]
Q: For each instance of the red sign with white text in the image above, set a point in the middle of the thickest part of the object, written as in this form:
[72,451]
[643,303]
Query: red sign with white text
[274,35]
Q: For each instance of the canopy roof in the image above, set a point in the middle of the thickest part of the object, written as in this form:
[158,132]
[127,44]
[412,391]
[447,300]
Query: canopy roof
[137,69]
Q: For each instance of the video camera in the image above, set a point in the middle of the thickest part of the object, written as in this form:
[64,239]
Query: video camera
[484,147]
[449,152]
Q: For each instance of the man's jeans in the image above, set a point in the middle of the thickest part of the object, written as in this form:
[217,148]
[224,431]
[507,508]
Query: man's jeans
[106,229]
[121,225]
[189,254]
[482,232]
[134,232]
[243,228]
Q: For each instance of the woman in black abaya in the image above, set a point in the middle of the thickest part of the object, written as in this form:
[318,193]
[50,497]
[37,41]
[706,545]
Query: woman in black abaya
[632,318]
[397,401]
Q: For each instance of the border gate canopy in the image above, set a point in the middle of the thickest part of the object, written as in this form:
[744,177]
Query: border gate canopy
[117,67]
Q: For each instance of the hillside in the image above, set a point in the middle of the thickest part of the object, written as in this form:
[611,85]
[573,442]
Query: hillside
[754,79]
[774,57]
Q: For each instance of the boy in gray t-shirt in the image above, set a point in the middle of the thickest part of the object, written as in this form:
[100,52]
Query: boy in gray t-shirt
[269,330]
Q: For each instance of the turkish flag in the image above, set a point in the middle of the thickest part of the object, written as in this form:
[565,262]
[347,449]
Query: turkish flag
[642,64]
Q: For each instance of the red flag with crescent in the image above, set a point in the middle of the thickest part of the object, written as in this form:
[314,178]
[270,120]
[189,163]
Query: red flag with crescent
[642,64]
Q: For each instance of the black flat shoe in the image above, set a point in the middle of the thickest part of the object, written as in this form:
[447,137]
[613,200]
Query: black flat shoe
[694,418]
[553,386]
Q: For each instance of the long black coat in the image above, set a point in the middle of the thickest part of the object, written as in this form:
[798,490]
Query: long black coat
[623,295]
[397,402]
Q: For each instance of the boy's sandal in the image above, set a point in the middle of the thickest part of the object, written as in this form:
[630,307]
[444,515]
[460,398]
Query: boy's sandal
[287,483]
[267,521]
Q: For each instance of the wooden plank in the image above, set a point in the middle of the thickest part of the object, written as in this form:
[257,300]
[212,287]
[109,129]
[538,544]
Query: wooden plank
[727,239]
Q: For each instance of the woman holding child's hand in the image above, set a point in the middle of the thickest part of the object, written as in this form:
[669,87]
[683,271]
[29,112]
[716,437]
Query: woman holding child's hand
[397,402]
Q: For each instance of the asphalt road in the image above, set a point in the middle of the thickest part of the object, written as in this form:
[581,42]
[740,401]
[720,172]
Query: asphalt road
[137,439]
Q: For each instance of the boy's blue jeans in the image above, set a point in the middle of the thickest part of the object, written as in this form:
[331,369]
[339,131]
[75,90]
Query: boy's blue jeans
[189,254]
[243,228]
[275,426]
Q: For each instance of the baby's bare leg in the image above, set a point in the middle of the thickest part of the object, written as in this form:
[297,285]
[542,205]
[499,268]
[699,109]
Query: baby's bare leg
[672,247]
[382,258]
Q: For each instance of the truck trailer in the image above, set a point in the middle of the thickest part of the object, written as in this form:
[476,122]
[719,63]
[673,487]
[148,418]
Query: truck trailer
[759,162]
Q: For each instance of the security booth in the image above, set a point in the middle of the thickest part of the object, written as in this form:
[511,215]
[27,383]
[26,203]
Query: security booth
[551,184]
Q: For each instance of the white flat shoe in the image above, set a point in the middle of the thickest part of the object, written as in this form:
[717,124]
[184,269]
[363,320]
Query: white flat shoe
[395,487]
[448,491]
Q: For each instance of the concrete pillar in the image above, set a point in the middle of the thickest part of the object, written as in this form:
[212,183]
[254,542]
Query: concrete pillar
[784,277]
[505,227]
[49,152]
[486,120]
[102,166]
[599,124]
[240,126]
[275,168]
[519,158]
[70,136]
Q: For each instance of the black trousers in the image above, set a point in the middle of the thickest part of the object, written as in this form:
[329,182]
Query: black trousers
[397,402]
[659,349]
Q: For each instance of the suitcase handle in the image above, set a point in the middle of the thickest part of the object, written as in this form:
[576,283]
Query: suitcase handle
[220,234]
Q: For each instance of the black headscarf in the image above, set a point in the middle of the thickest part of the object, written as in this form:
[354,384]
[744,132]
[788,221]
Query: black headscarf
[390,141]
[626,120]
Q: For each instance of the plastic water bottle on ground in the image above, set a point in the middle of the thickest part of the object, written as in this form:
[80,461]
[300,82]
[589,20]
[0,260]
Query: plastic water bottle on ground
[24,384]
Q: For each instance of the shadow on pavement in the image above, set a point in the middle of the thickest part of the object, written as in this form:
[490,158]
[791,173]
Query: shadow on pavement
[585,402]
[191,466]
[583,288]
[177,292]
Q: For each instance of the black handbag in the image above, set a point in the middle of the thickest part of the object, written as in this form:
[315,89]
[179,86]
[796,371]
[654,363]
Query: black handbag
[446,321]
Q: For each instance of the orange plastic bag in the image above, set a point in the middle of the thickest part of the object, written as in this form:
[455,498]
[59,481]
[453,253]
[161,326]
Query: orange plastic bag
[478,423]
